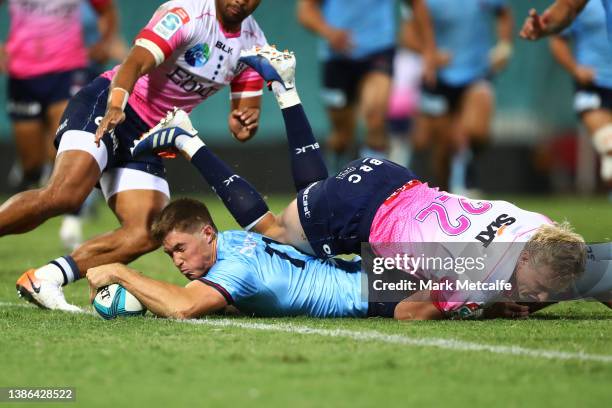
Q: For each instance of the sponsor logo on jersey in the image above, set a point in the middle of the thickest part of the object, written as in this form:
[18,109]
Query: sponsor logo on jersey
[62,126]
[305,204]
[171,22]
[191,84]
[495,229]
[198,55]
[224,47]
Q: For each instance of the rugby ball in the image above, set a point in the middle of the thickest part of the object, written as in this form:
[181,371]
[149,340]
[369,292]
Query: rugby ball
[115,301]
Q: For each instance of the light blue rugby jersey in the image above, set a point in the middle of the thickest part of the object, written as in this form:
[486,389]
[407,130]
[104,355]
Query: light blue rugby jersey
[607,5]
[466,30]
[592,46]
[372,24]
[264,278]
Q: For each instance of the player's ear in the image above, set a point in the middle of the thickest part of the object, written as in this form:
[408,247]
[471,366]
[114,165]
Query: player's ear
[208,232]
[523,258]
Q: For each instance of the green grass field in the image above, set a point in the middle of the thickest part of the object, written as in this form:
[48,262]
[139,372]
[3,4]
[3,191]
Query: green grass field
[304,362]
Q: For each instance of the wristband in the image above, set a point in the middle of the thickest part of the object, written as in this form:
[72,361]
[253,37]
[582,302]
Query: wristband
[503,49]
[118,98]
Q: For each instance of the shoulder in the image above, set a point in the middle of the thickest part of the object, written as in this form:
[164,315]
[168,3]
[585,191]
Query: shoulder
[251,30]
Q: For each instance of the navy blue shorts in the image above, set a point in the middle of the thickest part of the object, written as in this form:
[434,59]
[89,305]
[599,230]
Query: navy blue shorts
[85,111]
[342,76]
[29,98]
[337,213]
[592,97]
[443,98]
[381,309]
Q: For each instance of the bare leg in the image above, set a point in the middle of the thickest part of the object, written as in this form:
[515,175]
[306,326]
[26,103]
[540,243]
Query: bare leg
[135,210]
[54,115]
[477,109]
[474,124]
[29,141]
[74,176]
[375,92]
[342,121]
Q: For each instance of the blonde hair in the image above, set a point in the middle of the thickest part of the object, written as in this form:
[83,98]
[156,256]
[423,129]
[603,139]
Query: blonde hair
[560,248]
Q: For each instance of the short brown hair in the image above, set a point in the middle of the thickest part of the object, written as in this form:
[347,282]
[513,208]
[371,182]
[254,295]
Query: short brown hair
[560,248]
[183,214]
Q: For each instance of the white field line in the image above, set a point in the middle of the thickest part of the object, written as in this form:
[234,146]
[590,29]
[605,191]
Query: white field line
[374,336]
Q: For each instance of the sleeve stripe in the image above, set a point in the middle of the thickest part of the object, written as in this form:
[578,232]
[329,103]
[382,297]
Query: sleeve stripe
[147,34]
[256,85]
[220,289]
[247,94]
[158,54]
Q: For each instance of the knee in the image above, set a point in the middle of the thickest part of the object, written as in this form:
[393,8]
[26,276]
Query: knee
[60,201]
[138,241]
[340,141]
[375,118]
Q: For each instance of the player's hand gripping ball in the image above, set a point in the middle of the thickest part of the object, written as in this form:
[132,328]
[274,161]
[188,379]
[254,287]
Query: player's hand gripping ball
[115,301]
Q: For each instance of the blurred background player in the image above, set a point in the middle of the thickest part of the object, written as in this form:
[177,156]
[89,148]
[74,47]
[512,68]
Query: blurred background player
[187,52]
[456,111]
[115,49]
[46,59]
[112,50]
[405,90]
[358,40]
[590,64]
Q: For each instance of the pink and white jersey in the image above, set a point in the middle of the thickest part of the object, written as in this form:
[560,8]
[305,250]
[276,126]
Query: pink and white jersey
[45,36]
[421,219]
[196,57]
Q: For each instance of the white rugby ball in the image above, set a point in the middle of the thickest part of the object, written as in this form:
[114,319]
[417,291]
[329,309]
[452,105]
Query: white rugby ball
[115,301]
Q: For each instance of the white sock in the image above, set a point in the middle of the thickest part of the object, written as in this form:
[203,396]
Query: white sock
[285,98]
[189,145]
[62,270]
[51,273]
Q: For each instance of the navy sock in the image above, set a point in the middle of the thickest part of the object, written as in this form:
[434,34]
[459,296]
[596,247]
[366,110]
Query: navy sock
[241,199]
[307,165]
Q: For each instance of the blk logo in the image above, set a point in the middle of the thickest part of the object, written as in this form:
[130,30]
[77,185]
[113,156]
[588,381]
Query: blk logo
[224,47]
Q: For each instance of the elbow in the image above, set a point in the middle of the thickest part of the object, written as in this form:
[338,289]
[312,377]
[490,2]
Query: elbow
[185,313]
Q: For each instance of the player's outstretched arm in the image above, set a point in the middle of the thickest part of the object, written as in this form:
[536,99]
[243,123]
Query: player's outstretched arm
[310,16]
[427,37]
[161,298]
[108,21]
[139,62]
[419,306]
[554,19]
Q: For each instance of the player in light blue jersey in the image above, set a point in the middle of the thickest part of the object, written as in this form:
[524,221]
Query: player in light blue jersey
[475,38]
[358,40]
[257,275]
[590,64]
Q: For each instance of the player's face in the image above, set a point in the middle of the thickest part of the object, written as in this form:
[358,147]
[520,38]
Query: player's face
[192,253]
[235,11]
[534,283]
